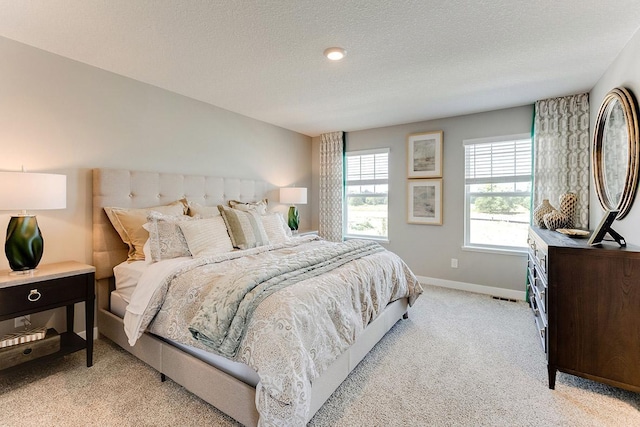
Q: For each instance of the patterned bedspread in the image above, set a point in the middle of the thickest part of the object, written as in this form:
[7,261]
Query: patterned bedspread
[293,334]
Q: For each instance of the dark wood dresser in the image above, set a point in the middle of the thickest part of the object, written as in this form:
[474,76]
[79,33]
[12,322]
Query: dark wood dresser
[586,302]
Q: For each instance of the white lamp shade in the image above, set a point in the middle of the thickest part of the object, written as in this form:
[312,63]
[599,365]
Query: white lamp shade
[293,195]
[25,190]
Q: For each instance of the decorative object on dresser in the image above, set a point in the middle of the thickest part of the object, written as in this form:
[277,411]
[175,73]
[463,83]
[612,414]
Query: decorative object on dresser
[424,155]
[585,301]
[616,151]
[556,219]
[540,211]
[21,191]
[604,228]
[293,196]
[51,286]
[568,206]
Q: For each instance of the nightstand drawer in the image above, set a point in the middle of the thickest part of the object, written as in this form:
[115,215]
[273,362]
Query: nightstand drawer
[40,295]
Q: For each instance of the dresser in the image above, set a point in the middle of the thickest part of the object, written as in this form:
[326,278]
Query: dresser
[586,306]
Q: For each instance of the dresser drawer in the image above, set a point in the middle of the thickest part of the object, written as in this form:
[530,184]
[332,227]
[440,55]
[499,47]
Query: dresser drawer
[541,321]
[541,261]
[540,289]
[41,295]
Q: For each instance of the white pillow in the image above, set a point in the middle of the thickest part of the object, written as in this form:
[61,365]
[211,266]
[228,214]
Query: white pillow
[275,226]
[206,237]
[260,206]
[196,209]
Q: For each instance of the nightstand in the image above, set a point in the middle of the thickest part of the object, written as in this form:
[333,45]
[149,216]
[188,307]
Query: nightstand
[307,233]
[52,286]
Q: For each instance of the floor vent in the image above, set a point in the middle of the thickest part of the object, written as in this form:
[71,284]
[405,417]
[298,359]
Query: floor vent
[503,299]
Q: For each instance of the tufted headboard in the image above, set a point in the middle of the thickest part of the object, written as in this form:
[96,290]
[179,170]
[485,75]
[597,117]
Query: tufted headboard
[135,189]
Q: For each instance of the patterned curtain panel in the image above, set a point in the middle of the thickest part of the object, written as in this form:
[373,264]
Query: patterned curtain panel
[561,152]
[331,186]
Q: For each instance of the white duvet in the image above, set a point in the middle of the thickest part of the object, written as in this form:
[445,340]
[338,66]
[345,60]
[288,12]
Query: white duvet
[294,334]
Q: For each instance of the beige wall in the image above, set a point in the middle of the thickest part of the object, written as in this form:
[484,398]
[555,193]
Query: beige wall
[58,115]
[428,249]
[624,72]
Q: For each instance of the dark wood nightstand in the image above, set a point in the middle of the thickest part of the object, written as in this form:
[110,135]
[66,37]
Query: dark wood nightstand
[51,286]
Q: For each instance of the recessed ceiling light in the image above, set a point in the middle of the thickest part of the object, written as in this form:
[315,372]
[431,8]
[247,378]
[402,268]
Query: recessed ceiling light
[335,53]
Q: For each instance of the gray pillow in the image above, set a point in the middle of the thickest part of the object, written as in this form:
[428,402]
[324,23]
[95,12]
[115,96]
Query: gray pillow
[245,228]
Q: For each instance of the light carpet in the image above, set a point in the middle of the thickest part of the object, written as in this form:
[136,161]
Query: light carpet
[461,359]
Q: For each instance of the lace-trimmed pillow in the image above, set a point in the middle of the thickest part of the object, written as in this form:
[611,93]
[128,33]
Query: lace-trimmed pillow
[166,239]
[260,206]
[245,228]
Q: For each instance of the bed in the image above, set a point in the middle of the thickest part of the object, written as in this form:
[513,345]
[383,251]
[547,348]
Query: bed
[231,384]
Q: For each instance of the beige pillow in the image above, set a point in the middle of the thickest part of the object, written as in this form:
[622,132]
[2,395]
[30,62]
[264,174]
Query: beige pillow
[274,226]
[206,236]
[128,223]
[196,209]
[245,228]
[260,206]
[166,240]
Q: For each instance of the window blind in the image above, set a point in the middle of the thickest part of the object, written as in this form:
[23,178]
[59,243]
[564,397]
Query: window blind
[367,169]
[496,162]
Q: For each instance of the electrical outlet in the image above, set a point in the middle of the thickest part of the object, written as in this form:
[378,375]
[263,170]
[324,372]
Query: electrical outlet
[20,322]
[454,262]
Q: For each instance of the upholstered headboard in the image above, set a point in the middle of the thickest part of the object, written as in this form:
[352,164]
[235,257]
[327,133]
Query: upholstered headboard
[135,189]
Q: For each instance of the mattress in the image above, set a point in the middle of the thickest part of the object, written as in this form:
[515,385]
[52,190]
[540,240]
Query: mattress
[127,275]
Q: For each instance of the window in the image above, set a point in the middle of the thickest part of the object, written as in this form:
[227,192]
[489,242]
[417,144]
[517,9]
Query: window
[497,192]
[367,190]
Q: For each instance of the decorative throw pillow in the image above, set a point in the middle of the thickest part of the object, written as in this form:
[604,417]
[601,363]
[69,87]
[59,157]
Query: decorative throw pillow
[206,236]
[259,206]
[166,240]
[201,211]
[245,228]
[128,223]
[274,226]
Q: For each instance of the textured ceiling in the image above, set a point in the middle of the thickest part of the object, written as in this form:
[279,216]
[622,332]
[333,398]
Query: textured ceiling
[407,61]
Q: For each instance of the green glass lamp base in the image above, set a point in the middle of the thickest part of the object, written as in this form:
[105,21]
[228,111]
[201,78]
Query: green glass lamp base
[24,244]
[294,218]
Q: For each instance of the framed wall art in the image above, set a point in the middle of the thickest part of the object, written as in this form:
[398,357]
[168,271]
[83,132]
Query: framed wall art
[424,151]
[424,201]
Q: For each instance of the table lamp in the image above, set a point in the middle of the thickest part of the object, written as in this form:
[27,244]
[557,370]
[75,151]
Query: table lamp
[293,196]
[21,191]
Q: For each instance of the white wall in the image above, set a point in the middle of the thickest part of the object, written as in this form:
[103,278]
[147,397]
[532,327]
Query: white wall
[623,72]
[428,249]
[58,115]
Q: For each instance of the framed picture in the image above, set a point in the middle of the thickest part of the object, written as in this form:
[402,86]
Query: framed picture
[424,151]
[424,203]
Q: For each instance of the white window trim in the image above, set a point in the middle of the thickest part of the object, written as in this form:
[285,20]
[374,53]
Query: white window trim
[346,236]
[504,250]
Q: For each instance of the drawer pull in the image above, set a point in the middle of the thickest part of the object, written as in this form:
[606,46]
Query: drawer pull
[34,295]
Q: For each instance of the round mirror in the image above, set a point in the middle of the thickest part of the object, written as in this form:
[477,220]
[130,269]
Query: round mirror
[616,151]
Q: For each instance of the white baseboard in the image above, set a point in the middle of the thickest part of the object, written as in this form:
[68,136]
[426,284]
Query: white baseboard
[472,287]
[83,334]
